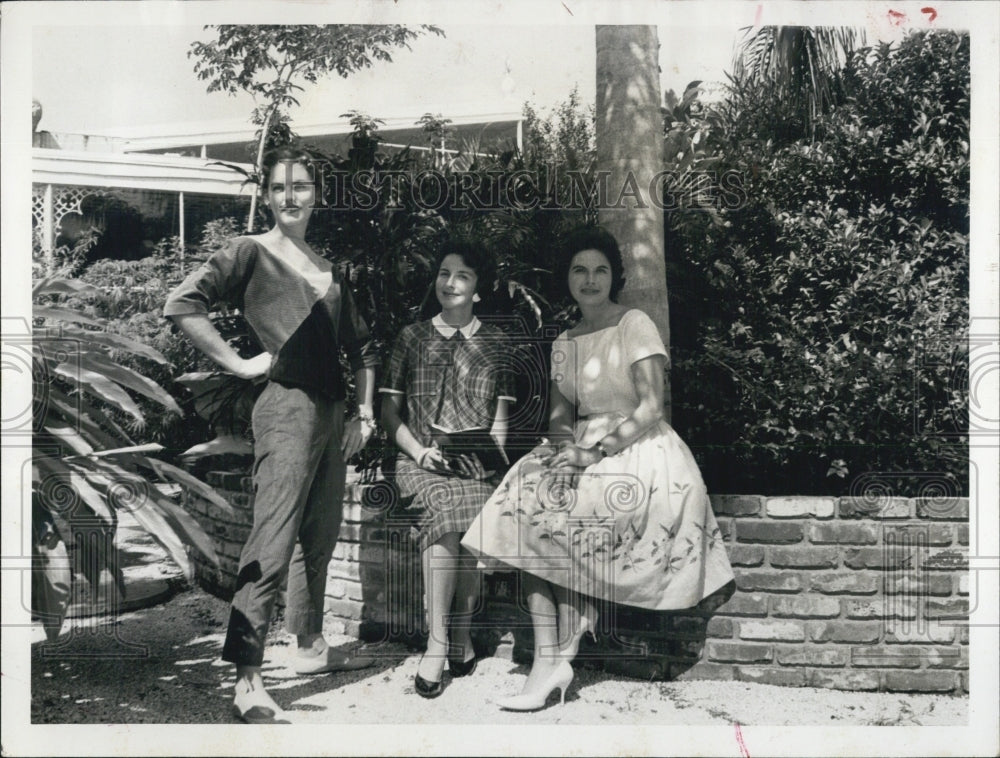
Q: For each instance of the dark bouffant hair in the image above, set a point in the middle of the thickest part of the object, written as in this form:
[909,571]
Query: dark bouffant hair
[593,238]
[283,154]
[475,256]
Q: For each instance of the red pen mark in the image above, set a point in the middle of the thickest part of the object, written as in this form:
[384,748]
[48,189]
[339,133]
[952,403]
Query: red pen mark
[896,18]
[743,745]
[567,8]
[757,15]
[930,12]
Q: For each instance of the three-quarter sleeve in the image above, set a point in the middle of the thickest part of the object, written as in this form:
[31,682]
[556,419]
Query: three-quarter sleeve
[640,337]
[222,278]
[353,334]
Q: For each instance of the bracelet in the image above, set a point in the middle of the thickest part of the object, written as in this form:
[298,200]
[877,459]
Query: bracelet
[366,419]
[423,454]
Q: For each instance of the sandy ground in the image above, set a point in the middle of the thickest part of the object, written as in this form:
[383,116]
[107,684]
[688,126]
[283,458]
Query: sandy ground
[161,665]
[158,663]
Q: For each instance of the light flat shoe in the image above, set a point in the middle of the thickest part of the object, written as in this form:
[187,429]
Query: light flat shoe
[260,714]
[331,662]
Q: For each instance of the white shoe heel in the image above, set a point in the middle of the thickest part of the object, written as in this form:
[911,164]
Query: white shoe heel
[559,679]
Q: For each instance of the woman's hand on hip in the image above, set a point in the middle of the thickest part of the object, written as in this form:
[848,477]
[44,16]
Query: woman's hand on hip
[251,368]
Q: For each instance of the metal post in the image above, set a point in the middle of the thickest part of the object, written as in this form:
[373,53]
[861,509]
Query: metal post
[180,213]
[48,231]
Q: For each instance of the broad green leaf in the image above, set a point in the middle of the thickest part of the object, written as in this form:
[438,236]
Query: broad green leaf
[171,472]
[63,314]
[65,409]
[100,386]
[94,413]
[64,490]
[117,341]
[188,528]
[53,285]
[181,529]
[71,437]
[130,379]
[152,520]
[150,447]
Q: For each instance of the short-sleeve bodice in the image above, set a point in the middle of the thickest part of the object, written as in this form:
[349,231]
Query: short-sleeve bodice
[593,371]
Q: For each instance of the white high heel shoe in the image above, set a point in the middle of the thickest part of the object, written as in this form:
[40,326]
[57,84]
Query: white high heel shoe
[559,679]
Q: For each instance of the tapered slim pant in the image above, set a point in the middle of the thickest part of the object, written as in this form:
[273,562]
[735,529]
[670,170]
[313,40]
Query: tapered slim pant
[298,480]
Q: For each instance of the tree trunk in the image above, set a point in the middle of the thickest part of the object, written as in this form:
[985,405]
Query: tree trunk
[629,136]
[260,159]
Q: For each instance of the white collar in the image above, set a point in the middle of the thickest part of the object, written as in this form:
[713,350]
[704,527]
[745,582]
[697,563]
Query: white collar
[447,331]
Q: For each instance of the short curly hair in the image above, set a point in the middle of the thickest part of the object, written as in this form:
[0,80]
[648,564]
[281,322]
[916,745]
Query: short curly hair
[592,238]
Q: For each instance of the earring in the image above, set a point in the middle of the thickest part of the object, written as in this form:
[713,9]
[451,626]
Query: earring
[476,298]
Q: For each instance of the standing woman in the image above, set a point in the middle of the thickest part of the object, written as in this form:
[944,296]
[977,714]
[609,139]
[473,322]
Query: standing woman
[446,376]
[303,315]
[614,509]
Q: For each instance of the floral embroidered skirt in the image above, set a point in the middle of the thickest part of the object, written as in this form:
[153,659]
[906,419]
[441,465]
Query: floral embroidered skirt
[636,528]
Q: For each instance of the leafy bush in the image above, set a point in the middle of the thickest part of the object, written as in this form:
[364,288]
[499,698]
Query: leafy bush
[827,316]
[129,296]
[85,465]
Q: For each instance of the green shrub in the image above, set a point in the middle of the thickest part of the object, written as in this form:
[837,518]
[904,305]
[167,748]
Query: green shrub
[829,313]
[130,296]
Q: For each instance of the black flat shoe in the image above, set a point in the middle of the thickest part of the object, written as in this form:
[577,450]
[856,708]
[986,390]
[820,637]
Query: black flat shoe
[427,689]
[462,668]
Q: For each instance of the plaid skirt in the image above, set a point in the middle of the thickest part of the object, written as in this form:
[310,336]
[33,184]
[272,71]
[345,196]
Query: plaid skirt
[450,503]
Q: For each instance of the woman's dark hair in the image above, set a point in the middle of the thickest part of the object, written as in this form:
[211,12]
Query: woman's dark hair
[284,154]
[593,238]
[475,256]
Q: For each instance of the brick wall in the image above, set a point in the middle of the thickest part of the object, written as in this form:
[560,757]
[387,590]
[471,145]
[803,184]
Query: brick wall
[842,593]
[230,530]
[845,593]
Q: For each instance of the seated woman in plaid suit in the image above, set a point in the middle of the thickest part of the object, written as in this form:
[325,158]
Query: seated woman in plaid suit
[445,398]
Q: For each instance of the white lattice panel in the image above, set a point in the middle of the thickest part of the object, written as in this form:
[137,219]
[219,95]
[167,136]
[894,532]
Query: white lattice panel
[38,204]
[67,200]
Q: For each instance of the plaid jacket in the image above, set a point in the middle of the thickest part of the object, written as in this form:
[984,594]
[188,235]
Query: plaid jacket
[451,385]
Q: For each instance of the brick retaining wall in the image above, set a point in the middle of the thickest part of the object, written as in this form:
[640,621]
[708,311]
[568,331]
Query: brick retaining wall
[843,593]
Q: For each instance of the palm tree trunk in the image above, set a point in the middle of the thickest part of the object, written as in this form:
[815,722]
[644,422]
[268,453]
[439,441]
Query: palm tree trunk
[629,137]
